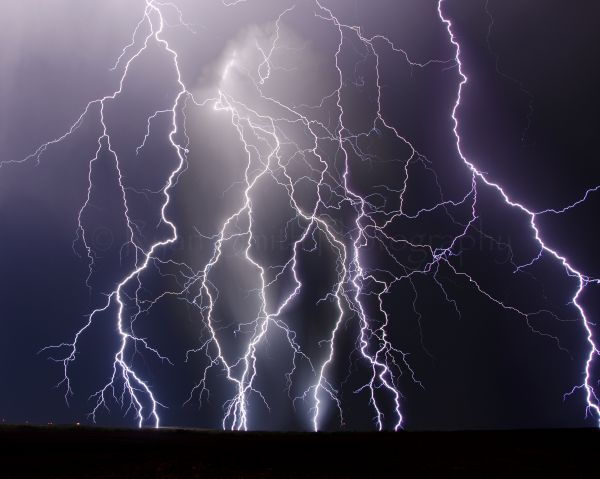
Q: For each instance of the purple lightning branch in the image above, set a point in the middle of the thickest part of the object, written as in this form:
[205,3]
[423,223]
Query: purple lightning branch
[266,140]
[582,280]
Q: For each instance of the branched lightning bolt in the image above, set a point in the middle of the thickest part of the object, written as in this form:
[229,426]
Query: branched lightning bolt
[265,139]
[125,386]
[593,403]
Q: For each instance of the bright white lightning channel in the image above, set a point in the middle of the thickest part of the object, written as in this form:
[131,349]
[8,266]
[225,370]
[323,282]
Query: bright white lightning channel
[263,139]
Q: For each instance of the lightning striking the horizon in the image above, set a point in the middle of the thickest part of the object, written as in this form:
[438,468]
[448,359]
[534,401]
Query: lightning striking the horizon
[309,153]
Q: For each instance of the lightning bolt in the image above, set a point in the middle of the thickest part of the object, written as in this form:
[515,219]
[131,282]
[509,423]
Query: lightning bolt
[272,151]
[125,386]
[593,404]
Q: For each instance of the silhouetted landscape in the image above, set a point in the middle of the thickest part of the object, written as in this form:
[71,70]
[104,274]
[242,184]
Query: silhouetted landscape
[86,452]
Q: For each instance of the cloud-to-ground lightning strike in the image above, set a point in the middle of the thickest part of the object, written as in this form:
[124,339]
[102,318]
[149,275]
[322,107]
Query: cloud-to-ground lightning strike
[264,128]
[593,402]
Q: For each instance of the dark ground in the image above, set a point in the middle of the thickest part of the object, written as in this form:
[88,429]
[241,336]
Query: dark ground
[69,452]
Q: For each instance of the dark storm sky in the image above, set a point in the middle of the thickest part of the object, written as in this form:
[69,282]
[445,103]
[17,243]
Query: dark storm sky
[484,369]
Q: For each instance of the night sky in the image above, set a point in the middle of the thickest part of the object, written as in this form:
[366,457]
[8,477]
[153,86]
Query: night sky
[470,340]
